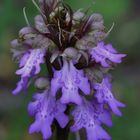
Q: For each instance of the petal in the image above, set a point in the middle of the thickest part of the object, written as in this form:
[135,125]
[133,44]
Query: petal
[102,53]
[35,127]
[119,104]
[32,108]
[62,120]
[21,85]
[114,108]
[46,131]
[24,59]
[102,134]
[97,133]
[109,48]
[106,118]
[70,96]
[91,134]
[33,61]
[84,86]
[55,86]
[116,58]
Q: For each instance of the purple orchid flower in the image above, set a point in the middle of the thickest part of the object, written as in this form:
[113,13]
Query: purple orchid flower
[45,109]
[84,117]
[104,95]
[30,65]
[102,113]
[30,62]
[102,53]
[70,80]
[73,43]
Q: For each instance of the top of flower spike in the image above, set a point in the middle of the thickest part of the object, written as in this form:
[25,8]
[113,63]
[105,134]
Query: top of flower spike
[58,22]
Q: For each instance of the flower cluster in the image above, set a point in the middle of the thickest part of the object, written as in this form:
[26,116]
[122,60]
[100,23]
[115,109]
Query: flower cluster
[71,46]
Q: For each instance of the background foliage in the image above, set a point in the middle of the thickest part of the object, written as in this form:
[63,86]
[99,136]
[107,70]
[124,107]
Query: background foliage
[125,36]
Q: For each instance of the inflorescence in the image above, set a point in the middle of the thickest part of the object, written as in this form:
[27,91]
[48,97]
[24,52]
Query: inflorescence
[76,90]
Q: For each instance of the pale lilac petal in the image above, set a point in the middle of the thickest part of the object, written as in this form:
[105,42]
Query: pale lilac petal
[109,47]
[103,115]
[35,127]
[102,53]
[97,134]
[33,61]
[24,59]
[120,104]
[55,83]
[21,85]
[92,134]
[102,134]
[85,116]
[62,120]
[106,118]
[46,131]
[104,95]
[32,107]
[70,95]
[114,108]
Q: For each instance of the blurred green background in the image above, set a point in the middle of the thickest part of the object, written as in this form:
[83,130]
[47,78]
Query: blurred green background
[125,36]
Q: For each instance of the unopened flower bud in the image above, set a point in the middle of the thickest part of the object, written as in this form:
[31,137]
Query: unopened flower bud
[98,22]
[40,24]
[71,52]
[41,42]
[78,15]
[14,43]
[42,83]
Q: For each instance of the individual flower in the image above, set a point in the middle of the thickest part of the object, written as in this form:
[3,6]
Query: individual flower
[70,80]
[104,95]
[103,52]
[102,113]
[86,117]
[45,109]
[30,62]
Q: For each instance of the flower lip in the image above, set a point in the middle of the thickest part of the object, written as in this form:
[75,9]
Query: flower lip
[69,79]
[45,109]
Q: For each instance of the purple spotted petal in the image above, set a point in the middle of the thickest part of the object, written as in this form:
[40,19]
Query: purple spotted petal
[30,62]
[102,53]
[104,95]
[102,113]
[45,109]
[84,117]
[70,80]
